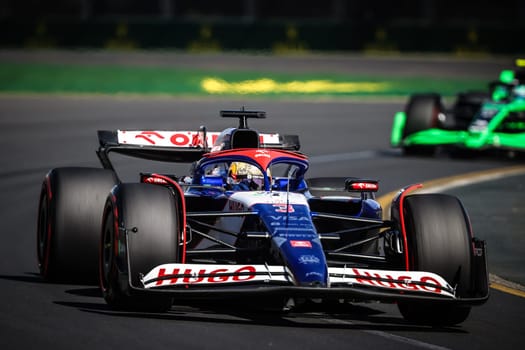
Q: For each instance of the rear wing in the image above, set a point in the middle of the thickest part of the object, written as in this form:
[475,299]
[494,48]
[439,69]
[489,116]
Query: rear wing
[174,146]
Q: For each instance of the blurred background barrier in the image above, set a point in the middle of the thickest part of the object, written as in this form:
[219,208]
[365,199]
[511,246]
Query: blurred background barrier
[288,26]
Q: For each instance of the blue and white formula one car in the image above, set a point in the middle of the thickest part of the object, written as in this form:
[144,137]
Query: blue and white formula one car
[246,222]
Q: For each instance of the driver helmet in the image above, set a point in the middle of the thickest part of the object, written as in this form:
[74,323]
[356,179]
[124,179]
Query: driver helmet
[519,91]
[246,174]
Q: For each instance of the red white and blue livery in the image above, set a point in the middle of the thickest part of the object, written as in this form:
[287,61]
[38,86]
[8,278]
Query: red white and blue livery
[246,220]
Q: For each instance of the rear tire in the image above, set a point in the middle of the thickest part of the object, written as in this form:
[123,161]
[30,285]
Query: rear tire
[140,231]
[439,241]
[70,210]
[422,113]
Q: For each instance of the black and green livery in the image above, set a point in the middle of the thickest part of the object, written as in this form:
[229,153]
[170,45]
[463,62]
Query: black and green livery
[492,120]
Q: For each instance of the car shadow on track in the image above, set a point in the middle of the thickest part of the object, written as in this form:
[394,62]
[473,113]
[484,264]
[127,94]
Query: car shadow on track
[309,315]
[34,277]
[28,277]
[344,316]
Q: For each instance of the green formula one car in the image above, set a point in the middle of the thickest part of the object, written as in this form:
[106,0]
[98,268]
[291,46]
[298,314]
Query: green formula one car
[477,121]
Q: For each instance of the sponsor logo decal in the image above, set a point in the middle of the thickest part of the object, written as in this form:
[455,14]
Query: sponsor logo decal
[185,139]
[290,218]
[416,283]
[180,139]
[309,259]
[154,180]
[301,244]
[167,138]
[365,186]
[313,273]
[204,275]
[262,153]
[149,136]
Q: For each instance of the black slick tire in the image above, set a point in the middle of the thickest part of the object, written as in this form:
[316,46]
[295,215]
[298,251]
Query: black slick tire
[439,241]
[68,228]
[422,113]
[139,232]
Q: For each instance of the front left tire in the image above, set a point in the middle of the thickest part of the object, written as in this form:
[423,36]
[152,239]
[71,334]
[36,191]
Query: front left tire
[140,231]
[439,241]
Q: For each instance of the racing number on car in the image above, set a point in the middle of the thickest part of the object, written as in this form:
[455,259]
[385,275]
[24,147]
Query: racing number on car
[283,208]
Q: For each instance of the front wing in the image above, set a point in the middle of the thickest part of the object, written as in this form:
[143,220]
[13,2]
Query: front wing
[439,137]
[207,280]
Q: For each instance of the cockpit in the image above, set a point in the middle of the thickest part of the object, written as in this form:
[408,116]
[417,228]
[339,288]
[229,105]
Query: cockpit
[233,174]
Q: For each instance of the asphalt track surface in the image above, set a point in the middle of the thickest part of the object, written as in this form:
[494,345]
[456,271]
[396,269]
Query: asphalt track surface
[342,138]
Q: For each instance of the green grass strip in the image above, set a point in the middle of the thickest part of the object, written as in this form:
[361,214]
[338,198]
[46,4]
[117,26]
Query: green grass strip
[105,79]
